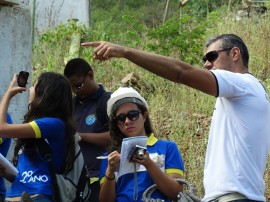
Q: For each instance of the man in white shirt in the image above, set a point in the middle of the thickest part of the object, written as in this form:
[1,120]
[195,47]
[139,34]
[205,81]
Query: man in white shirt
[239,136]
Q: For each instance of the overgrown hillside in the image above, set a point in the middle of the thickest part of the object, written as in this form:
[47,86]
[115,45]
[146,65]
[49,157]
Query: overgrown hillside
[179,113]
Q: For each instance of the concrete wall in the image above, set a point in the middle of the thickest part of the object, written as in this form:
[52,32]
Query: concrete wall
[15,55]
[15,52]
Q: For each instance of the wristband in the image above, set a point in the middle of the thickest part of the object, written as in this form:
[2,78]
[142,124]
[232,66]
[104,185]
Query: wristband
[110,178]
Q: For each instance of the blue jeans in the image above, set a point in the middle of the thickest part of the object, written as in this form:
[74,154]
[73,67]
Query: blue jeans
[42,198]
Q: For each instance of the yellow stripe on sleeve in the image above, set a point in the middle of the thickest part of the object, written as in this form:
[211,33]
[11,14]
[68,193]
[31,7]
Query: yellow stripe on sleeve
[102,180]
[36,129]
[174,171]
[93,179]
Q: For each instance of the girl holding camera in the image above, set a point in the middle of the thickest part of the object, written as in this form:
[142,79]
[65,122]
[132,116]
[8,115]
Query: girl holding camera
[49,117]
[160,165]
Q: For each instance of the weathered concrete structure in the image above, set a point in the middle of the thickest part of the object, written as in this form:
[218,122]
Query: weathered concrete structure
[15,51]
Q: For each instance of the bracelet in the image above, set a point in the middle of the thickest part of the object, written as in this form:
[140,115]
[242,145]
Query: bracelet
[109,177]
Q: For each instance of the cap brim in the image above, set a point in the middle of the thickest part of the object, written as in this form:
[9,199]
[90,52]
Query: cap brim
[127,100]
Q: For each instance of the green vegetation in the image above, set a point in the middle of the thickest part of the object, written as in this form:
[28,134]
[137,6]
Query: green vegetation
[179,113]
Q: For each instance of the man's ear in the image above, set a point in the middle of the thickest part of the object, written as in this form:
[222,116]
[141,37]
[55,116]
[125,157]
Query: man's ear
[90,74]
[236,53]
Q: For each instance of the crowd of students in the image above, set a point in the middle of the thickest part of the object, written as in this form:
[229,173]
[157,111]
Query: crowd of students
[236,154]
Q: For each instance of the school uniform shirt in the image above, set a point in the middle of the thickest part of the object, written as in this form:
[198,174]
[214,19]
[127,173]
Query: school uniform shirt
[164,153]
[34,174]
[86,116]
[4,147]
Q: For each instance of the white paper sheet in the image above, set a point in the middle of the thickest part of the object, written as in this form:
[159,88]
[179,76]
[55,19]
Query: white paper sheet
[128,145]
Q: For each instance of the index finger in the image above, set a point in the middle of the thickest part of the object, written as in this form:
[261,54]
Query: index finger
[93,44]
[15,76]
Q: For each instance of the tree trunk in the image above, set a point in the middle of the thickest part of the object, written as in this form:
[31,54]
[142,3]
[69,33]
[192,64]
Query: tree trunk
[166,11]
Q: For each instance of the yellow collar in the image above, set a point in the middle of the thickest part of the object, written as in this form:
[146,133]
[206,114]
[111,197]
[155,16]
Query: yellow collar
[151,140]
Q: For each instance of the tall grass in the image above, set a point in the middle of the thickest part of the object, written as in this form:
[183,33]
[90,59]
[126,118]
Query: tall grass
[178,113]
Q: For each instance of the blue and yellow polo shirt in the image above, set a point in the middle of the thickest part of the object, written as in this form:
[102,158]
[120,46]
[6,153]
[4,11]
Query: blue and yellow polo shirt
[164,153]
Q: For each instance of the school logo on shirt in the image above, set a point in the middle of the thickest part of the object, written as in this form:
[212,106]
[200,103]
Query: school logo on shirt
[90,119]
[27,177]
[159,160]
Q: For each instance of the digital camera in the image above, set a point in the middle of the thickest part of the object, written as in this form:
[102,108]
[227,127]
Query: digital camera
[138,152]
[22,78]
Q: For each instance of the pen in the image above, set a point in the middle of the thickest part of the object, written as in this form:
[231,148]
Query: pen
[102,157]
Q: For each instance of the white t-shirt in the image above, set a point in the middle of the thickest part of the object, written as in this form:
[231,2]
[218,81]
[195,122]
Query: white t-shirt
[239,138]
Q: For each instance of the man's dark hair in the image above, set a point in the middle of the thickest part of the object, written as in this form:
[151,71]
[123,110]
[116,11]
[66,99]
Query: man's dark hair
[77,67]
[230,41]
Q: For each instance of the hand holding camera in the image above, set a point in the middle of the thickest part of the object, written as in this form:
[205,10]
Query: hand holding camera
[18,84]
[138,152]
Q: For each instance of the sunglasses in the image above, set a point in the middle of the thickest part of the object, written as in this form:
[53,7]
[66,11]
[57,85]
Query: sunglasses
[78,87]
[213,55]
[132,115]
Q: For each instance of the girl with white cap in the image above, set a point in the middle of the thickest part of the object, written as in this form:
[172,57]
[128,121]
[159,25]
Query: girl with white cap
[160,165]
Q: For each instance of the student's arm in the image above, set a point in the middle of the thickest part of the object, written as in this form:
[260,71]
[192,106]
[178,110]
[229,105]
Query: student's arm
[107,190]
[166,183]
[101,139]
[13,130]
[166,67]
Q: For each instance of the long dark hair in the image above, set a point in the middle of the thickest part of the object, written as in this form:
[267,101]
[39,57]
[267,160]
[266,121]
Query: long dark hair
[117,136]
[53,98]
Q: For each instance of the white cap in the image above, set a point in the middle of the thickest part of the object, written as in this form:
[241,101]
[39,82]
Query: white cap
[124,95]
